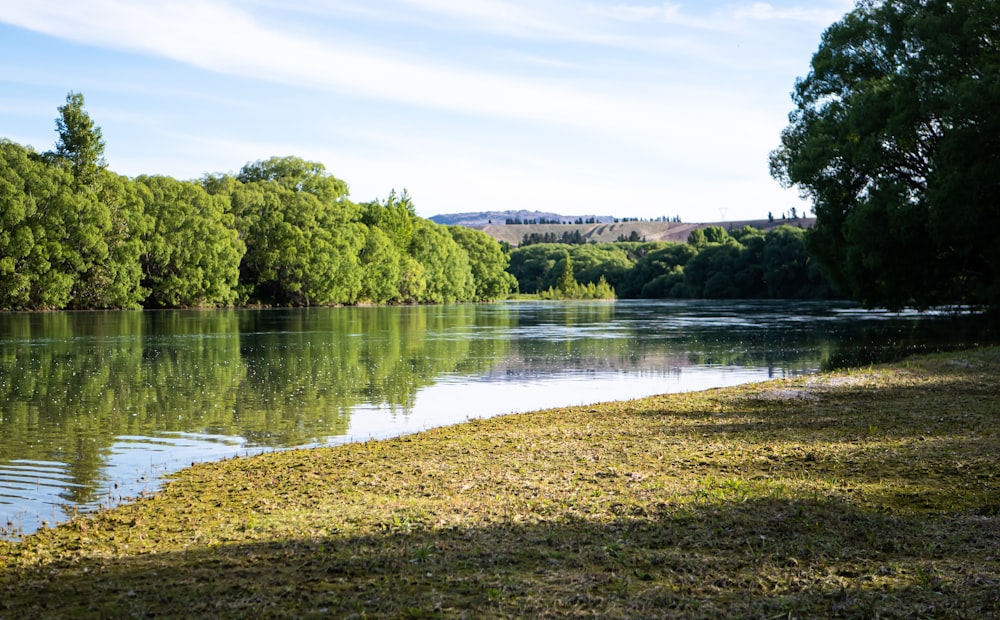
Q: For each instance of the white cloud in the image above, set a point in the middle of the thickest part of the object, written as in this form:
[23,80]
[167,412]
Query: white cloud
[220,38]
[570,102]
[818,15]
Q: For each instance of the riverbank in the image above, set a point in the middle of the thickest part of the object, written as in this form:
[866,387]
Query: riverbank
[862,493]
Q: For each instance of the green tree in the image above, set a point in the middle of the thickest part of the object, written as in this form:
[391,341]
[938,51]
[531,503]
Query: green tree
[80,142]
[112,273]
[534,266]
[381,268]
[591,262]
[35,200]
[192,250]
[789,270]
[303,240]
[709,275]
[301,176]
[488,263]
[60,247]
[658,273]
[445,265]
[567,285]
[697,238]
[894,137]
[394,217]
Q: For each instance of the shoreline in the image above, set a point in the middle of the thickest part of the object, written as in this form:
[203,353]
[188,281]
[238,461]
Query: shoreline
[853,493]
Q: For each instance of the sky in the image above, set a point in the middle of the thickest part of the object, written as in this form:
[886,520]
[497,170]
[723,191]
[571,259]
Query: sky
[630,108]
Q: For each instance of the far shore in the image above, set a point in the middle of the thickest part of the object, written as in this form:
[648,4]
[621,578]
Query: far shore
[861,493]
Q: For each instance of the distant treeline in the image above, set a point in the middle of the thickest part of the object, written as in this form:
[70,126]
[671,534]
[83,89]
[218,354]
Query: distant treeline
[280,232]
[713,264]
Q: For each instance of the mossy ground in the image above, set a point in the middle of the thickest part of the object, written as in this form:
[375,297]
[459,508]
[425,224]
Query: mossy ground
[858,494]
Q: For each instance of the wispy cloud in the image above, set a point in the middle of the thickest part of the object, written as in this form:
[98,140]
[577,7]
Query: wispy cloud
[221,38]
[573,100]
[819,15]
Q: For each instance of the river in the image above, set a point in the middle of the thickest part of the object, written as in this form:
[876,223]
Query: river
[97,407]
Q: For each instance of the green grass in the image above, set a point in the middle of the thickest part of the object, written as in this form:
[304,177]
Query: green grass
[857,494]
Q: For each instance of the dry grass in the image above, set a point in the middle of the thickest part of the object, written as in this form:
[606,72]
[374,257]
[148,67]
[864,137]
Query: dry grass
[859,494]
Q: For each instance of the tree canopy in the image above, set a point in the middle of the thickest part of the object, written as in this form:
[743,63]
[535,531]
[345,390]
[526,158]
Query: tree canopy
[283,231]
[895,137]
[80,142]
[737,264]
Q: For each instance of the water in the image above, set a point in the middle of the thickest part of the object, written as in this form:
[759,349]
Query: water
[98,407]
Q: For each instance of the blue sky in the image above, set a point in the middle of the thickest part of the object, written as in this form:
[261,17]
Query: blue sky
[627,108]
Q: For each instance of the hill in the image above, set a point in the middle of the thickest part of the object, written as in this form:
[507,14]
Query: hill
[610,232]
[497,218]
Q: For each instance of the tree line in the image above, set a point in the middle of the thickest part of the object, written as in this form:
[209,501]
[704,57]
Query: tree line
[713,264]
[282,231]
[895,137]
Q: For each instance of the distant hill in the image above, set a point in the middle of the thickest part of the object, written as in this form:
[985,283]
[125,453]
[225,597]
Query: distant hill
[606,231]
[488,218]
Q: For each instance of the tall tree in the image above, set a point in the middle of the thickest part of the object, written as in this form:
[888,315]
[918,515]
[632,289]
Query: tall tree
[192,251]
[445,264]
[488,262]
[300,249]
[394,216]
[36,266]
[80,142]
[896,138]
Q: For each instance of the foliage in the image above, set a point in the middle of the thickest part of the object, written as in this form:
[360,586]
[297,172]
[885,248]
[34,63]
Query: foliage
[488,263]
[302,247]
[81,143]
[894,136]
[36,268]
[567,237]
[714,264]
[381,265]
[567,287]
[534,266]
[75,235]
[394,217]
[444,263]
[61,246]
[192,250]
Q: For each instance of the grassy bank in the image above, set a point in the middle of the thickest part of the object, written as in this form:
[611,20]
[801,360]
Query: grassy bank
[857,494]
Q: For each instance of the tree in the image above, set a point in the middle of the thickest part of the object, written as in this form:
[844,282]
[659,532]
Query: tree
[112,274]
[192,250]
[656,273]
[80,142]
[534,266]
[709,275]
[381,268]
[895,137]
[567,284]
[591,262]
[445,264]
[303,244]
[394,216]
[60,247]
[488,263]
[34,271]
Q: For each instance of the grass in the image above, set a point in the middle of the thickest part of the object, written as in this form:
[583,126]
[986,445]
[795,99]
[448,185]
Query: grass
[858,494]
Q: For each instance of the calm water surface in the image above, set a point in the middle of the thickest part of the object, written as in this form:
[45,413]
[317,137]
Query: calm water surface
[97,407]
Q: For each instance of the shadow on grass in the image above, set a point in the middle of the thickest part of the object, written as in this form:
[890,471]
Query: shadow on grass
[761,558]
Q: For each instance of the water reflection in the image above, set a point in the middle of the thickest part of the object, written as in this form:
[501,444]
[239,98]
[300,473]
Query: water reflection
[98,406]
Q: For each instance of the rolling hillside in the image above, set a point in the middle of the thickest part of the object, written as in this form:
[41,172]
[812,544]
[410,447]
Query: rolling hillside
[609,232]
